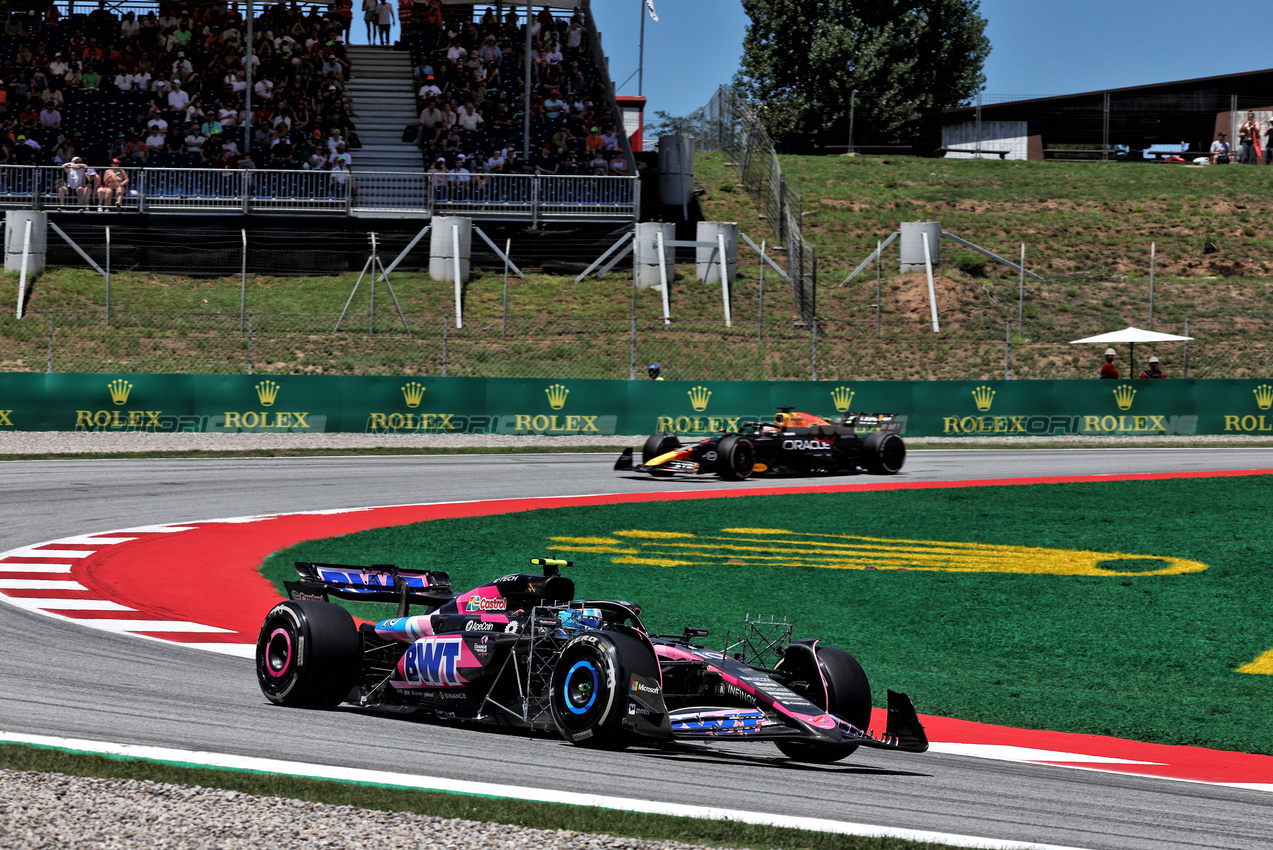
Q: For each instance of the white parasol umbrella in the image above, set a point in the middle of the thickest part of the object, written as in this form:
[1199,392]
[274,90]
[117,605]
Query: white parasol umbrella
[1131,336]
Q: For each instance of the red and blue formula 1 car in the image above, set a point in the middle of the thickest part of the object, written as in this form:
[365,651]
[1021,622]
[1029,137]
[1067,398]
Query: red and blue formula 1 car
[793,444]
[521,651]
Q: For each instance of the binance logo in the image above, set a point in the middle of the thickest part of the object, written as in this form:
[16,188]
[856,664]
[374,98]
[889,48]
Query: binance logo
[1124,395]
[777,547]
[557,396]
[413,393]
[119,390]
[1263,396]
[267,392]
[842,397]
[699,396]
[983,397]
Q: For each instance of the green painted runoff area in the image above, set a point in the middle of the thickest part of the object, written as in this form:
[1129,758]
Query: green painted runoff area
[1112,608]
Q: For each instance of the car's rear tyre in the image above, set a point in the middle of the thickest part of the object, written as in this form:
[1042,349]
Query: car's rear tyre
[588,693]
[308,654]
[883,453]
[659,444]
[847,695]
[735,457]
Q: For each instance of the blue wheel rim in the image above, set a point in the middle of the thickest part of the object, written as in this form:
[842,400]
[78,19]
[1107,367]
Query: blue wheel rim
[568,687]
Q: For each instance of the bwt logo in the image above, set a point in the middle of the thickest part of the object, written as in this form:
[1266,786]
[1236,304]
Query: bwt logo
[433,662]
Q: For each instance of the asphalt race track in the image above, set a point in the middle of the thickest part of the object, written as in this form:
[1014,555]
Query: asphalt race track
[79,683]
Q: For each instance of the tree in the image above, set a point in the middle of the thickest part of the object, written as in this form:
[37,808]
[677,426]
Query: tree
[667,124]
[804,59]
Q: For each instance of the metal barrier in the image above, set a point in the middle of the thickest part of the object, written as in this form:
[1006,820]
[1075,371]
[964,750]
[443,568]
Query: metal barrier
[186,190]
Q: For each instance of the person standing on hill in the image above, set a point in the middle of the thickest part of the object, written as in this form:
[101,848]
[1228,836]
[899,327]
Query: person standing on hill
[1247,138]
[1152,370]
[1108,369]
[1220,150]
[653,369]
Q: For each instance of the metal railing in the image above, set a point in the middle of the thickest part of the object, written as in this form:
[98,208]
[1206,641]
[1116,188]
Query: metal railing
[520,197]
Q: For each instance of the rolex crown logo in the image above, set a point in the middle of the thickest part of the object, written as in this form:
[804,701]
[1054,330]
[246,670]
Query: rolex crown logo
[267,392]
[843,397]
[984,397]
[1264,396]
[119,390]
[413,393]
[699,396]
[557,396]
[1124,396]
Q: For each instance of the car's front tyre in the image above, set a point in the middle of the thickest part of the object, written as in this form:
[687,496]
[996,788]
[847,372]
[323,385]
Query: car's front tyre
[308,654]
[839,687]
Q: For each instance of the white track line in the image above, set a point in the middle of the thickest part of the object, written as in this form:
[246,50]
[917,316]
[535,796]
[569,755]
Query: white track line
[515,792]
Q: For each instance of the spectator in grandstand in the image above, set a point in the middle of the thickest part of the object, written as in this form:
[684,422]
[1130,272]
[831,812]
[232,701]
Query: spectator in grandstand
[50,118]
[178,98]
[342,177]
[195,140]
[1153,370]
[369,17]
[619,166]
[547,161]
[73,78]
[440,175]
[64,152]
[128,27]
[92,77]
[156,140]
[1220,150]
[114,186]
[74,182]
[1108,370]
[385,18]
[13,25]
[123,79]
[23,153]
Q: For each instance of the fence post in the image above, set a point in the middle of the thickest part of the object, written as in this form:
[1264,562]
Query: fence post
[50,366]
[632,353]
[1152,247]
[446,326]
[108,277]
[878,282]
[1186,347]
[815,348]
[249,343]
[760,322]
[1007,350]
[243,285]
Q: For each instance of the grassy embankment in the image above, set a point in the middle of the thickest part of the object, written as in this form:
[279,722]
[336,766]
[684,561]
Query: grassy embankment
[1088,230]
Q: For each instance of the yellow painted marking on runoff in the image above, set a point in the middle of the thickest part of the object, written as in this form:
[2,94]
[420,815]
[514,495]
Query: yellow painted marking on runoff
[588,541]
[783,547]
[1262,665]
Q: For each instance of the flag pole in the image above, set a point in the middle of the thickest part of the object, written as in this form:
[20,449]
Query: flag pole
[641,49]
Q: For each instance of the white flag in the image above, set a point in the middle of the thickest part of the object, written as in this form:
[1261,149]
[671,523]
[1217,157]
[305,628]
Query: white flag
[649,4]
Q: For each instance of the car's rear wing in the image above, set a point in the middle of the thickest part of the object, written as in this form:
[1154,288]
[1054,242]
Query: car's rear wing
[374,583]
[866,423]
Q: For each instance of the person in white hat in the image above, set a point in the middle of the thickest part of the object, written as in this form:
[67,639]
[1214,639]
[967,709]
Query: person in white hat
[1152,370]
[1108,369]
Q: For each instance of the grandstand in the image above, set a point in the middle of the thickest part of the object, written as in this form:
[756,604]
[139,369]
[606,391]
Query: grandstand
[190,107]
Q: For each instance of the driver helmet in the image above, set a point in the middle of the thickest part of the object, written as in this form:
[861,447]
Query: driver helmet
[575,620]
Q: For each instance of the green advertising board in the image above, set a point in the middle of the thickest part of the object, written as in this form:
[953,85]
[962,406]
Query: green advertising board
[435,405]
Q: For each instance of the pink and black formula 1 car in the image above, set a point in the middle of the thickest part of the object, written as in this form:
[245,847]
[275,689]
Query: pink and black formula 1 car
[521,651]
[793,444]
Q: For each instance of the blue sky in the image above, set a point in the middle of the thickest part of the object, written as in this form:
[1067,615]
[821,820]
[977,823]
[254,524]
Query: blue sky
[1037,48]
